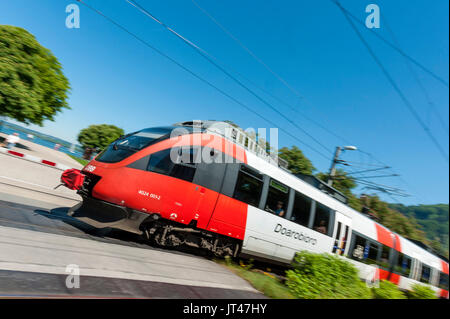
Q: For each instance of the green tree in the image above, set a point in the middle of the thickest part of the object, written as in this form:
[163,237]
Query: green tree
[434,220]
[343,183]
[297,161]
[394,220]
[436,245]
[99,136]
[32,86]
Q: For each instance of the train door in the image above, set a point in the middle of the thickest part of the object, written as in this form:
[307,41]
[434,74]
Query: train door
[416,269]
[207,184]
[240,194]
[342,234]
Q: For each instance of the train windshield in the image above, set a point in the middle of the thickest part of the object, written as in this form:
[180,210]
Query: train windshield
[131,143]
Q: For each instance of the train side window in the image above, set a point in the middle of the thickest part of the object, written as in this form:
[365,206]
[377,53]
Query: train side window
[443,281]
[302,209]
[184,172]
[183,167]
[249,186]
[406,265]
[403,266]
[322,219]
[364,250]
[372,254]
[277,198]
[160,162]
[425,275]
[358,250]
[186,163]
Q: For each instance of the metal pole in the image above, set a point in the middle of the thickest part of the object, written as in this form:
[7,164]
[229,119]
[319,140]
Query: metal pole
[333,166]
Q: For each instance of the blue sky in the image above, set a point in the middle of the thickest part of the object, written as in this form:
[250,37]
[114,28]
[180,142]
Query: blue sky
[117,80]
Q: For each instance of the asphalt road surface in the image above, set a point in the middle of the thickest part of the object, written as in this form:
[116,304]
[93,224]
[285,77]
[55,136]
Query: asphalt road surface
[38,241]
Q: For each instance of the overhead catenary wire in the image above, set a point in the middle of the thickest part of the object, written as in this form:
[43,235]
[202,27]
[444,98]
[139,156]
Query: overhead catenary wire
[393,83]
[396,48]
[282,80]
[290,106]
[431,104]
[369,170]
[369,184]
[387,192]
[374,176]
[199,77]
[360,164]
[210,58]
[410,60]
[252,54]
[214,61]
[406,184]
[384,187]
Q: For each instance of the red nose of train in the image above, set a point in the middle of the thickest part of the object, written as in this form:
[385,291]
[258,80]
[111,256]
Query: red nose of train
[72,178]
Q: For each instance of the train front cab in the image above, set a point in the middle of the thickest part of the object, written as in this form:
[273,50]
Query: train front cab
[131,184]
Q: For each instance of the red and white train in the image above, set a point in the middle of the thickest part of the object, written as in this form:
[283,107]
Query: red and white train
[207,185]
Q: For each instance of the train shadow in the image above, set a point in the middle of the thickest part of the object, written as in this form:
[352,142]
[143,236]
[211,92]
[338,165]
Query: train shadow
[72,224]
[135,240]
[61,214]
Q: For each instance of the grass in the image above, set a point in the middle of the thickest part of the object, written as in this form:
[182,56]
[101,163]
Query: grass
[264,282]
[82,161]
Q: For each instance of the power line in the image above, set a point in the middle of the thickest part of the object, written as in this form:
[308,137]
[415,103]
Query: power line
[359,164]
[209,15]
[258,60]
[281,101]
[248,50]
[368,184]
[253,55]
[210,58]
[391,170]
[248,80]
[197,76]
[384,188]
[375,176]
[434,75]
[369,170]
[201,79]
[419,83]
[393,83]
